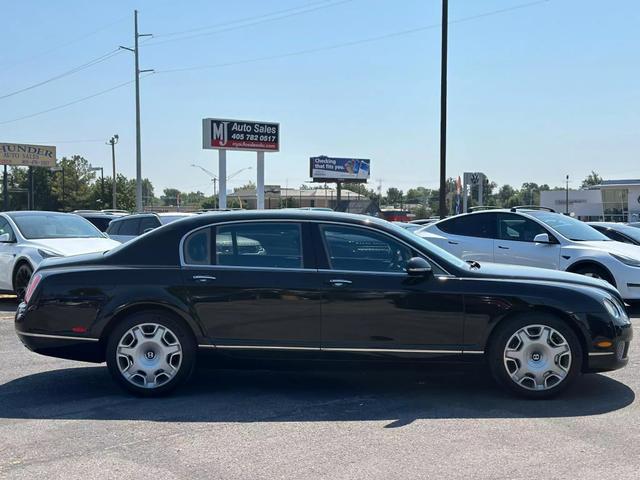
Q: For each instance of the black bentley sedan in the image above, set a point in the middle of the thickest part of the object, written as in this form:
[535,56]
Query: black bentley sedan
[312,286]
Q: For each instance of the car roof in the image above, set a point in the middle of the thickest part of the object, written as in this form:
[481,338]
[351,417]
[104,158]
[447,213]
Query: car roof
[25,213]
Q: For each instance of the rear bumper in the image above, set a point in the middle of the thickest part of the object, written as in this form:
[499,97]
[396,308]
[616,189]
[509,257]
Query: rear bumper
[57,345]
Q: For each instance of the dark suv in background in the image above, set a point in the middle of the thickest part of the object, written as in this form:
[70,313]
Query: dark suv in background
[131,226]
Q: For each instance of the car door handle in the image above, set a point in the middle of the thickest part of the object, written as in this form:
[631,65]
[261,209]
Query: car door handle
[339,282]
[503,247]
[451,242]
[203,278]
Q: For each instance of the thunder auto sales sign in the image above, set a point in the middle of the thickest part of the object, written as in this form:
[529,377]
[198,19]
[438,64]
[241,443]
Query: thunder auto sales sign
[219,134]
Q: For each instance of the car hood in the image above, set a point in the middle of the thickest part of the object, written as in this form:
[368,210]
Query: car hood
[541,274]
[626,249]
[74,246]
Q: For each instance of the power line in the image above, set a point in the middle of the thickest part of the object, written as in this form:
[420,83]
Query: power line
[354,42]
[245,25]
[77,69]
[241,20]
[58,107]
[66,44]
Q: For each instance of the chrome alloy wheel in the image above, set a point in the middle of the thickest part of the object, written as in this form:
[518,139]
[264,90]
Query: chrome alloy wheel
[149,355]
[537,357]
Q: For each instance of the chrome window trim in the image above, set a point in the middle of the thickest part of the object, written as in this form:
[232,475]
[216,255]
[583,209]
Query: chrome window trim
[301,221]
[58,337]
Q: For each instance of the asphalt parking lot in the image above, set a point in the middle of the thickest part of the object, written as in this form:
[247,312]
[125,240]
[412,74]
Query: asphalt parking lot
[62,419]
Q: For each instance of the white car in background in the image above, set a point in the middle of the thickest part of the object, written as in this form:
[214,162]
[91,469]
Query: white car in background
[28,237]
[539,238]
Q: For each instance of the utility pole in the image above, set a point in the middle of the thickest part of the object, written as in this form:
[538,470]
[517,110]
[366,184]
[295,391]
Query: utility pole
[566,211]
[443,110]
[112,141]
[5,189]
[136,52]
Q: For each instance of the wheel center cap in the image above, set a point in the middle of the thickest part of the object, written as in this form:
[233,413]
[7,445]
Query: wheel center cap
[536,357]
[150,355]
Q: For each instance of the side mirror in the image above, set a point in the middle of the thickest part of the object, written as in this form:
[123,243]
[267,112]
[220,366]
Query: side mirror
[418,267]
[542,238]
[5,238]
[147,230]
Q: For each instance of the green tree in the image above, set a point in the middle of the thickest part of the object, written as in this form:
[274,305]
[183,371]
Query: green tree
[592,179]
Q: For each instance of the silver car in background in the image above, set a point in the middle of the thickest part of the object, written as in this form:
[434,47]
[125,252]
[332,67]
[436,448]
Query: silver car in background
[28,237]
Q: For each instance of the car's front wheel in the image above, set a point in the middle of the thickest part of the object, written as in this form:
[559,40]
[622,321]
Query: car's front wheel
[535,355]
[151,353]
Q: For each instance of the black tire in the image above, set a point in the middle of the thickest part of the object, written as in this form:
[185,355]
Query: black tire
[21,278]
[500,367]
[178,331]
[595,271]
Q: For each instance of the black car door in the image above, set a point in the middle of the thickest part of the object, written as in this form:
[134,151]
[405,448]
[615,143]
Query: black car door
[372,306]
[253,285]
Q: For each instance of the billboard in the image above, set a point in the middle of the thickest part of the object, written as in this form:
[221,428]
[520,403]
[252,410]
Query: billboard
[221,134]
[27,155]
[344,169]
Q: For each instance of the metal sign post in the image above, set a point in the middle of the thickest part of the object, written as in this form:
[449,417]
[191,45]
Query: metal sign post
[222,135]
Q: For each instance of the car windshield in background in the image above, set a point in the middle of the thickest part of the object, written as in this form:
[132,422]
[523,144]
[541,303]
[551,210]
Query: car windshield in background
[629,231]
[164,219]
[570,228]
[54,225]
[437,251]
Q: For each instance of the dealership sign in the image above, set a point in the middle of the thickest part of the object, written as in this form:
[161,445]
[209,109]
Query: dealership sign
[344,169]
[219,134]
[27,155]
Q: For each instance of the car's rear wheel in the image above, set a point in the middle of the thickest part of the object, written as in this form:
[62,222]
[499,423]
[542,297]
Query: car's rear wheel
[535,355]
[21,279]
[151,353]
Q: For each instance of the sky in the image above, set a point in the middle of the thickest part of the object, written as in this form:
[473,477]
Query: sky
[537,89]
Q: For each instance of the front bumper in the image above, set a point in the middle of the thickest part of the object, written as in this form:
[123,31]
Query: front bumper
[612,358]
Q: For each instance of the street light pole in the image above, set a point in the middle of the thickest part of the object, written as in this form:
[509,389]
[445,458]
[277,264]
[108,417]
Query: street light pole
[443,110]
[112,141]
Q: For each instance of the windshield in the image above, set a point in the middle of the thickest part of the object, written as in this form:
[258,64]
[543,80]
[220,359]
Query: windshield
[570,228]
[430,247]
[36,226]
[632,232]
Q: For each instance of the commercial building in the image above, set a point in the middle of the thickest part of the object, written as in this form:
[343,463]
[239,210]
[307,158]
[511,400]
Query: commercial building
[611,201]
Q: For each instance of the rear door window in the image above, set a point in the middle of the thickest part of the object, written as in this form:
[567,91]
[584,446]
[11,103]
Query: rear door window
[481,225]
[267,244]
[129,227]
[147,223]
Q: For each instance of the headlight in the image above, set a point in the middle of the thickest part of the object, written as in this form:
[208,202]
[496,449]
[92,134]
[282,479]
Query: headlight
[616,309]
[48,253]
[632,262]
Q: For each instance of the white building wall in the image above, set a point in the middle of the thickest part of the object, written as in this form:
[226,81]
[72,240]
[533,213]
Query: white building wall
[634,204]
[583,204]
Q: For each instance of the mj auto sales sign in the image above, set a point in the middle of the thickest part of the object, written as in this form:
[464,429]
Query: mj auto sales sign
[219,134]
[27,155]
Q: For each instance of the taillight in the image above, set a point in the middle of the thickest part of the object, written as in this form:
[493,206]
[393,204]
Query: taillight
[33,284]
